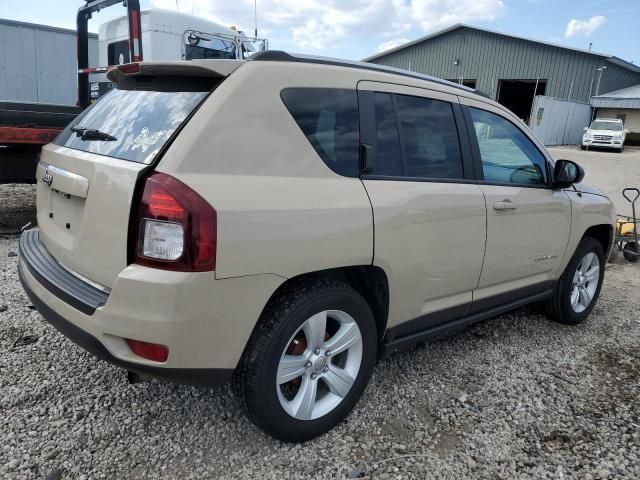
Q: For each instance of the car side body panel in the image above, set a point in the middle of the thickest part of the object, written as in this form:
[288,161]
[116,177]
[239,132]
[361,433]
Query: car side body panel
[587,210]
[280,209]
[430,242]
[525,245]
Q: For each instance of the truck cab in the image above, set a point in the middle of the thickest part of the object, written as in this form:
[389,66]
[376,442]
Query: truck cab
[169,36]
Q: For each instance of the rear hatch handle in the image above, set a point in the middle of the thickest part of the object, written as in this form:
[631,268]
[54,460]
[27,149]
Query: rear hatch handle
[62,180]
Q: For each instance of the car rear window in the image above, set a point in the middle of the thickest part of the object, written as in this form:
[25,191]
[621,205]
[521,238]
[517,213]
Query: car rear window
[134,123]
[329,119]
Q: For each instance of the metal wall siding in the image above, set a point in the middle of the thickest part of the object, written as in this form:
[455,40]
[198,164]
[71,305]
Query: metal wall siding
[487,58]
[39,64]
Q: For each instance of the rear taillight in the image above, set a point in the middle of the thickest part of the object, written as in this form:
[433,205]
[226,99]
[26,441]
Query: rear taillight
[176,229]
[129,68]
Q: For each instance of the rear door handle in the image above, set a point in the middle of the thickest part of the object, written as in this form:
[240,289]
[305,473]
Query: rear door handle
[506,205]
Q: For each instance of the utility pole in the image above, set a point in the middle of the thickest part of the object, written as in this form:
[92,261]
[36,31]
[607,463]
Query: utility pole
[600,71]
[255,17]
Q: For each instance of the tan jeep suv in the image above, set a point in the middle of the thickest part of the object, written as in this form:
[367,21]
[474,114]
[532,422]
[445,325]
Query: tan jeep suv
[289,220]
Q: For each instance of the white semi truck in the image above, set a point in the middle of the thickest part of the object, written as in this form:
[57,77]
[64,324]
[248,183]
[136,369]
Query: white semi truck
[167,35]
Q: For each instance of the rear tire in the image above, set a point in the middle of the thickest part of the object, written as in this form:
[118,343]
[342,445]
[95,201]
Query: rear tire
[631,252]
[576,293]
[294,387]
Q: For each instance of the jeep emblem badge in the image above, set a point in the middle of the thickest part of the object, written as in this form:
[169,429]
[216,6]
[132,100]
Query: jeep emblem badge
[47,178]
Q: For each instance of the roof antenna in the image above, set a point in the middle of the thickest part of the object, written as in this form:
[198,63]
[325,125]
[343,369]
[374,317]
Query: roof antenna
[590,45]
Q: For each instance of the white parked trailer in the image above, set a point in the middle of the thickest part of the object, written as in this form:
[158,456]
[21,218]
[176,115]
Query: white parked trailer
[38,63]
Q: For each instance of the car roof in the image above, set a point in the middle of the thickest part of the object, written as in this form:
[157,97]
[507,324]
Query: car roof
[281,56]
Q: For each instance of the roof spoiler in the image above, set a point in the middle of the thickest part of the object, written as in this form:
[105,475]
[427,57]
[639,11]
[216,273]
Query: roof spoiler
[192,68]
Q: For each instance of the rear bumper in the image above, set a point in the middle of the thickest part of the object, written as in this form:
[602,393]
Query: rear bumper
[204,322]
[193,376]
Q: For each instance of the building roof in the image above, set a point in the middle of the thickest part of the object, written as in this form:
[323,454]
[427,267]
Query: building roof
[626,98]
[608,57]
[37,26]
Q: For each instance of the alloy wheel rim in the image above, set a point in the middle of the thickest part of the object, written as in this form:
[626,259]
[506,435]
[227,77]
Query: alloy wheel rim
[319,365]
[585,282]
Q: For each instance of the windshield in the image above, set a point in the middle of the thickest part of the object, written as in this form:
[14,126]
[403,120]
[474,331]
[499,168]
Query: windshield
[613,126]
[133,124]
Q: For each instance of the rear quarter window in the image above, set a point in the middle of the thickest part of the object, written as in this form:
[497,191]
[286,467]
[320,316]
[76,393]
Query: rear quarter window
[328,117]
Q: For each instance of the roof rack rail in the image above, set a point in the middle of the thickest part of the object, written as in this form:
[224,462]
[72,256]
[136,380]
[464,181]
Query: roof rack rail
[282,56]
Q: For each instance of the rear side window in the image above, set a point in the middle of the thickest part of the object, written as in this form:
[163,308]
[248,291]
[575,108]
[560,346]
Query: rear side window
[133,124]
[328,117]
[416,137]
[388,137]
[429,138]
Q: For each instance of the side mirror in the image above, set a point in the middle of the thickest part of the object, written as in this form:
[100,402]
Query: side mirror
[566,173]
[586,128]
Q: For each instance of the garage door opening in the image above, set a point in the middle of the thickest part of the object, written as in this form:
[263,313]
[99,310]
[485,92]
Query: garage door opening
[517,95]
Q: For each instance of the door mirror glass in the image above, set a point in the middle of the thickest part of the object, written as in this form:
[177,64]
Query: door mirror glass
[566,173]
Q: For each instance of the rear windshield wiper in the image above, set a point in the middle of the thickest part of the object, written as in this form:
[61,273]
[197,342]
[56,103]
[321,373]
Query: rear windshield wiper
[92,134]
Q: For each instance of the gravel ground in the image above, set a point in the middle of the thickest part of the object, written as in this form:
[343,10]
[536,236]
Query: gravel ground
[515,397]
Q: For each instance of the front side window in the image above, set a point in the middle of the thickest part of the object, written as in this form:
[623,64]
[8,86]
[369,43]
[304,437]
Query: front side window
[329,119]
[118,53]
[508,155]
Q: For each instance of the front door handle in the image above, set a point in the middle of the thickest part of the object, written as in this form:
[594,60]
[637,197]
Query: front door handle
[506,205]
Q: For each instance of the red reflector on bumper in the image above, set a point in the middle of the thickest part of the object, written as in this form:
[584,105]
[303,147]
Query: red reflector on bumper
[150,351]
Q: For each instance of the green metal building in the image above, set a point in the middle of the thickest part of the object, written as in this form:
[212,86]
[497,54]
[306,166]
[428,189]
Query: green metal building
[511,69]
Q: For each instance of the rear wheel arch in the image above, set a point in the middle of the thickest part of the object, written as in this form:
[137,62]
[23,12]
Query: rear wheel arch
[369,281]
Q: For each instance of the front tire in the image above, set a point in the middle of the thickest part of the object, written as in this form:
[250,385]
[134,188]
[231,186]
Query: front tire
[579,286]
[309,360]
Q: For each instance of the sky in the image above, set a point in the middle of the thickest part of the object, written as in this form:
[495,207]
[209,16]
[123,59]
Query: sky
[355,29]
